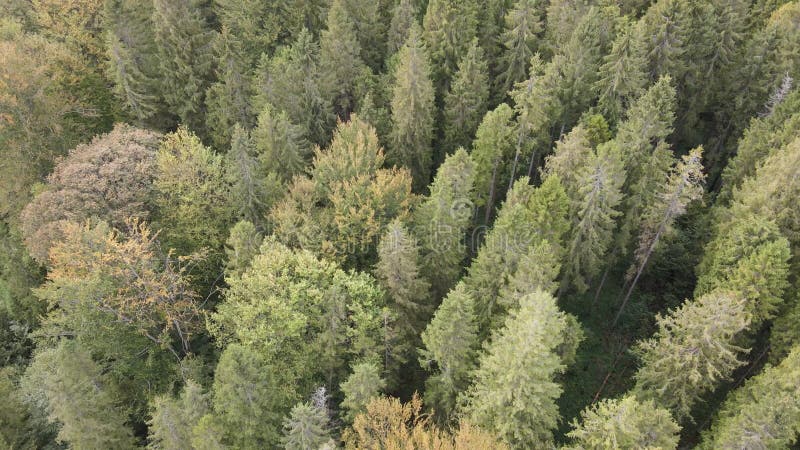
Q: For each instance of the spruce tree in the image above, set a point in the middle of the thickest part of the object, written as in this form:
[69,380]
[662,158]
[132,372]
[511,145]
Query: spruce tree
[280,144]
[537,270]
[413,111]
[764,413]
[228,99]
[521,363]
[370,20]
[450,349]
[665,31]
[491,150]
[364,384]
[172,424]
[624,423]
[466,102]
[441,221]
[623,75]
[403,17]
[249,195]
[340,61]
[523,24]
[242,246]
[306,427]
[185,57]
[692,351]
[450,26]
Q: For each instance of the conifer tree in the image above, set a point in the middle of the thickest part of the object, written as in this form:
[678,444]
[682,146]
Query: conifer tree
[76,395]
[403,17]
[413,111]
[521,363]
[370,20]
[624,423]
[364,384]
[466,102]
[442,219]
[784,334]
[685,185]
[537,270]
[248,184]
[493,145]
[242,246]
[280,145]
[450,26]
[258,27]
[228,99]
[450,349]
[665,31]
[306,427]
[692,351]
[339,60]
[523,24]
[172,424]
[764,413]
[623,74]
[185,58]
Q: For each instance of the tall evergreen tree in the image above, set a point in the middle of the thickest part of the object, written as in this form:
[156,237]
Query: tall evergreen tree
[280,144]
[242,246]
[521,363]
[340,61]
[306,427]
[370,20]
[692,351]
[228,99]
[442,219]
[466,102]
[450,349]
[364,384]
[403,17]
[413,111]
[665,31]
[623,74]
[185,58]
[491,150]
[172,424]
[523,25]
[249,195]
[450,26]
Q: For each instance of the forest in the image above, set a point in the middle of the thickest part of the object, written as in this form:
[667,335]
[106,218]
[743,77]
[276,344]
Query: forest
[399,224]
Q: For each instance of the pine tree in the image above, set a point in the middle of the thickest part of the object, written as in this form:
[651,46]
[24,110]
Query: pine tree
[692,351]
[623,75]
[248,188]
[442,219]
[413,111]
[242,246]
[228,99]
[450,349]
[665,30]
[450,26]
[624,423]
[523,24]
[306,427]
[259,27]
[491,150]
[685,185]
[764,413]
[339,60]
[466,102]
[403,17]
[172,423]
[370,19]
[77,395]
[537,270]
[364,384]
[280,144]
[185,58]
[521,363]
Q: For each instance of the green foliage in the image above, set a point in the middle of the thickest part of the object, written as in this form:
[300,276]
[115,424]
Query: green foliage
[625,423]
[466,102]
[413,110]
[450,26]
[517,371]
[364,384]
[306,427]
[494,142]
[174,419]
[764,413]
[523,25]
[784,334]
[450,349]
[403,17]
[73,389]
[623,73]
[339,60]
[242,246]
[692,351]
[279,144]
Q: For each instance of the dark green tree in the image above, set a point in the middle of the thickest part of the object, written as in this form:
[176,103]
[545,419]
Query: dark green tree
[466,102]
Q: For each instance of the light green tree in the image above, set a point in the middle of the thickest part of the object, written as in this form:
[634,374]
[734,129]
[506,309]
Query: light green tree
[242,246]
[364,384]
[340,62]
[173,420]
[466,102]
[450,26]
[491,150]
[523,25]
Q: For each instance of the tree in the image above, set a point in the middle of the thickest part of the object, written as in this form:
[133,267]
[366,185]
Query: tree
[624,423]
[784,334]
[683,187]
[249,192]
[450,26]
[185,59]
[280,144]
[466,102]
[413,111]
[764,413]
[403,17]
[450,349]
[691,352]
[370,20]
[441,221]
[73,390]
[110,178]
[665,29]
[306,427]
[250,398]
[173,421]
[523,24]
[290,82]
[340,61]
[258,27]
[623,74]
[751,259]
[491,150]
[242,246]
[517,371]
[364,384]
[192,197]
